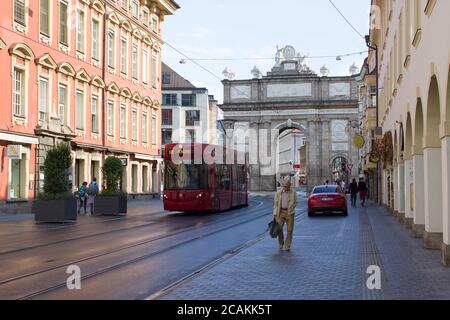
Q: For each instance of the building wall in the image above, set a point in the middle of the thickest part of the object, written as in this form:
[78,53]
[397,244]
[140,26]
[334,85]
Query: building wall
[414,110]
[44,57]
[179,127]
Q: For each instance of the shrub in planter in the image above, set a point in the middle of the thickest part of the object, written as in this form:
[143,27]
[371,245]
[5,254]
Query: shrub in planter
[55,203]
[111,201]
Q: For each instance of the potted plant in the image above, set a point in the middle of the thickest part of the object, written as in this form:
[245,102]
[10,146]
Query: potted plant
[111,201]
[56,203]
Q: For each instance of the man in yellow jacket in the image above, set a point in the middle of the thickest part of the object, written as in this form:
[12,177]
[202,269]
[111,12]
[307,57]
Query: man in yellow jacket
[284,211]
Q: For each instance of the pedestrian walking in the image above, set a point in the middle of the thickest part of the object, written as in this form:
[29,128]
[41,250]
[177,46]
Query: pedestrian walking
[362,189]
[343,186]
[353,192]
[82,194]
[284,211]
[92,192]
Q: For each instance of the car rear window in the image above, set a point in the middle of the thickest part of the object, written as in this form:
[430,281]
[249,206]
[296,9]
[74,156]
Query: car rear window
[330,189]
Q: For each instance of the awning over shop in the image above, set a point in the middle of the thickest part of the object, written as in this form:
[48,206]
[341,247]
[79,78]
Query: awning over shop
[89,146]
[16,138]
[141,156]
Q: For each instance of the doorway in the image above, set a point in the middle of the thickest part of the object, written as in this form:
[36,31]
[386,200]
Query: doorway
[79,172]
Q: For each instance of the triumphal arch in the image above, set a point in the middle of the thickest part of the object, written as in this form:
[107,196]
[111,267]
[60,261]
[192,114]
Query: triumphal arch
[292,96]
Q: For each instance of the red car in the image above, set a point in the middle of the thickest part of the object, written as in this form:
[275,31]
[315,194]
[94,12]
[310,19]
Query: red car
[327,198]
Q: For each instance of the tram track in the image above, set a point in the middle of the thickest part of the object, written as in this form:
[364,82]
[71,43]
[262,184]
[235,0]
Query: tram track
[2,253]
[129,262]
[241,219]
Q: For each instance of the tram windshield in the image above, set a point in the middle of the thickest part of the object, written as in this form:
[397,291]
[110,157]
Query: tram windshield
[183,176]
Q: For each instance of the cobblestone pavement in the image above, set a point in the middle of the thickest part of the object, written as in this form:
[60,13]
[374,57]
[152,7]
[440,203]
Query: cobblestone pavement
[329,260]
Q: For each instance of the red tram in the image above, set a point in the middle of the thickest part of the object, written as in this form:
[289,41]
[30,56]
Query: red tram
[203,177]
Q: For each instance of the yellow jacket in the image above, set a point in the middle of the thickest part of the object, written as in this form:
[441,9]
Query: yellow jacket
[292,202]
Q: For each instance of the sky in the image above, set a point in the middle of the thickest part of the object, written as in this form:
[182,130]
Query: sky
[253,28]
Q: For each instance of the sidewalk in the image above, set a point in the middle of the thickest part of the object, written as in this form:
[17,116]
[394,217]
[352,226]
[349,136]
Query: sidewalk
[135,207]
[329,260]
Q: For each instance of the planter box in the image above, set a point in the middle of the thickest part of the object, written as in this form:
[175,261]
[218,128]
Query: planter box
[110,206]
[55,210]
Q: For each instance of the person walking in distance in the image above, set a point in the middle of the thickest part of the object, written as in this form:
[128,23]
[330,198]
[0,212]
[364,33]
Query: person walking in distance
[353,187]
[92,192]
[284,211]
[82,193]
[362,188]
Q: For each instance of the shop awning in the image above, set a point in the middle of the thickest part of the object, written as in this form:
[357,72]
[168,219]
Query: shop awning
[17,138]
[142,156]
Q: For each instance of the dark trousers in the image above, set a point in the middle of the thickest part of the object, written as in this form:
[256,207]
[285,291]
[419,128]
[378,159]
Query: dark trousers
[353,198]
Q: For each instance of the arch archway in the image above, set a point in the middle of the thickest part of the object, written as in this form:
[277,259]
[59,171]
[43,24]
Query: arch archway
[445,142]
[407,154]
[418,169]
[291,152]
[433,169]
[339,169]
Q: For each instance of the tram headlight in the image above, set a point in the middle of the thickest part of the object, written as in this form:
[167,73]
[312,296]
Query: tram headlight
[200,195]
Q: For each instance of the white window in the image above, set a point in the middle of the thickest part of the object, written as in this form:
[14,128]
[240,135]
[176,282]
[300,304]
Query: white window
[80,31]
[153,130]
[63,34]
[111,47]
[44,17]
[18,93]
[95,39]
[144,128]
[155,24]
[145,66]
[123,115]
[135,8]
[154,72]
[123,55]
[110,119]
[134,57]
[20,11]
[62,98]
[79,110]
[94,114]
[125,5]
[146,17]
[134,125]
[43,99]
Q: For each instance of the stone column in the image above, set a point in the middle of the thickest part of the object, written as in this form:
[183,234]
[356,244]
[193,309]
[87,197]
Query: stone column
[255,173]
[158,177]
[445,143]
[433,198]
[312,156]
[401,192]
[325,148]
[418,195]
[395,174]
[267,155]
[408,183]
[150,180]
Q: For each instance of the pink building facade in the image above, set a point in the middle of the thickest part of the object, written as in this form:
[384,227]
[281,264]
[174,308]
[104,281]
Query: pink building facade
[86,72]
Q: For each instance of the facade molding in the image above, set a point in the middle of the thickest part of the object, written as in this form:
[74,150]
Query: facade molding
[22,50]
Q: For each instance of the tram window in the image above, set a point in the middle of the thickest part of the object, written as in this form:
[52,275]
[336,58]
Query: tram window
[223,176]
